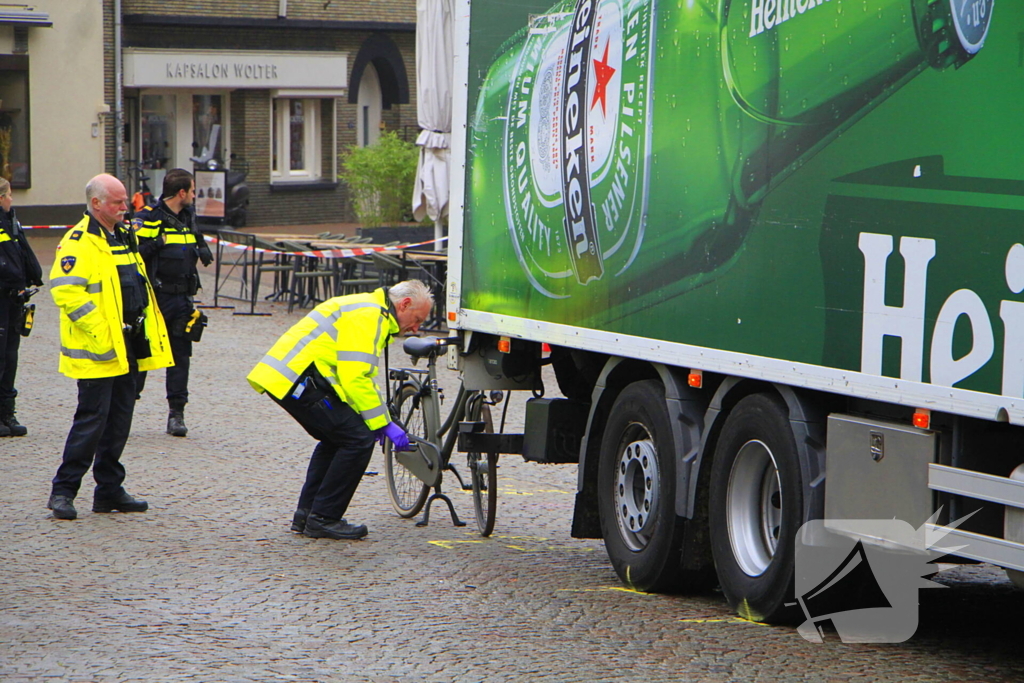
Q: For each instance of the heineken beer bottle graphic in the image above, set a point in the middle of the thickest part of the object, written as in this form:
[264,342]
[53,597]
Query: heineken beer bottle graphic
[622,148]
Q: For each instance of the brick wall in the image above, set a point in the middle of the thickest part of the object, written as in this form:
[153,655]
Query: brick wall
[321,10]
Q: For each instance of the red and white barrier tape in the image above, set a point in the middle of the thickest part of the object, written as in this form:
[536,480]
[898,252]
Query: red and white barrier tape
[330,253]
[322,253]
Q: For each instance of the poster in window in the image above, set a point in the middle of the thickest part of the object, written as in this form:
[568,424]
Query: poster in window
[210,194]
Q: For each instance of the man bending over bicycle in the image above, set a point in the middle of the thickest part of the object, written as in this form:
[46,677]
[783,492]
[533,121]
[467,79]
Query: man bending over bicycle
[321,372]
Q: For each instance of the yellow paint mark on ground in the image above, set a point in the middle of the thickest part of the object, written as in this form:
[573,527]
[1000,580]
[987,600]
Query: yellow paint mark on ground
[727,620]
[621,589]
[450,544]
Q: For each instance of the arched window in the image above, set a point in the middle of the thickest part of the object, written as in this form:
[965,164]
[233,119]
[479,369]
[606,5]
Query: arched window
[370,103]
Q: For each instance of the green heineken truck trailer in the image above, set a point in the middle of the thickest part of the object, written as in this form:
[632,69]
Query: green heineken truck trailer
[776,248]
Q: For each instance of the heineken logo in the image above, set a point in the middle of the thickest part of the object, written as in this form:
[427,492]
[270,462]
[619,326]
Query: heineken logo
[579,212]
[575,143]
[767,14]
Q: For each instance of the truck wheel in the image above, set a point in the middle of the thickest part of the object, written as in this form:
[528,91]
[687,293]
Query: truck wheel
[756,509]
[636,491]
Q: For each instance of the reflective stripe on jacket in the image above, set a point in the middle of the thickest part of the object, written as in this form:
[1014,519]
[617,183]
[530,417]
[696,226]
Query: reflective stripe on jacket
[18,264]
[173,259]
[85,286]
[344,337]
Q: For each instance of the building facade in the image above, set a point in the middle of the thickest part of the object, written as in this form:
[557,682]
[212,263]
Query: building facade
[278,87]
[53,113]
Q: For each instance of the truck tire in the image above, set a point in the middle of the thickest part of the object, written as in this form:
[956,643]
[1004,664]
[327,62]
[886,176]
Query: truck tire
[757,509]
[636,491]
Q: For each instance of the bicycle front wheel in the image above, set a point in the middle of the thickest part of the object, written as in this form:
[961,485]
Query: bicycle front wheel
[483,472]
[407,493]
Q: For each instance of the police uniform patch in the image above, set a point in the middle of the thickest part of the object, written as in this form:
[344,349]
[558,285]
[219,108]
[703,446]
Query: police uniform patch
[67,263]
[76,235]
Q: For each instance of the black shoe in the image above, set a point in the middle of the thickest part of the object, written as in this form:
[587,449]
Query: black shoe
[299,520]
[176,423]
[9,425]
[63,507]
[122,502]
[15,427]
[338,529]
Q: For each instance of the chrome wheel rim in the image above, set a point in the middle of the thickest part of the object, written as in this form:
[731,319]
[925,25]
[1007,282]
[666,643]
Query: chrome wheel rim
[754,507]
[636,488]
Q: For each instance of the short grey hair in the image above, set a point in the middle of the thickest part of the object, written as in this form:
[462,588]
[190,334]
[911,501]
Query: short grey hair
[96,188]
[414,289]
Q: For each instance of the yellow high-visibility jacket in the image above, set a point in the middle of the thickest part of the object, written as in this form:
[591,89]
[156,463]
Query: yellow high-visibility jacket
[344,337]
[85,286]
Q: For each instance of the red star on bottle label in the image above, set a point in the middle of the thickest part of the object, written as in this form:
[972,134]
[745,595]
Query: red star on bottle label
[603,75]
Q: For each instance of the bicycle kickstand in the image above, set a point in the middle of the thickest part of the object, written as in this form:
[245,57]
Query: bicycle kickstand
[437,495]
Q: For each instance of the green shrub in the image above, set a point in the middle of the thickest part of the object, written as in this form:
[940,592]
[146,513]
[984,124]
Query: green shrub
[380,179]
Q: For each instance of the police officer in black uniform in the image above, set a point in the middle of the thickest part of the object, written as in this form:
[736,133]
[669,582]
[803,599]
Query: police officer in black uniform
[110,328]
[171,244]
[19,269]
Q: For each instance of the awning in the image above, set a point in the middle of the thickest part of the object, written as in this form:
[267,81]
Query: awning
[24,17]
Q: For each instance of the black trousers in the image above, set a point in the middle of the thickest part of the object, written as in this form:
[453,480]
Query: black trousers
[10,341]
[340,459]
[102,423]
[174,306]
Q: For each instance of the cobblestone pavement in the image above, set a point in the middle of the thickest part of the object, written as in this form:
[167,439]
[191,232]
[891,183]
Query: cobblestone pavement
[210,585]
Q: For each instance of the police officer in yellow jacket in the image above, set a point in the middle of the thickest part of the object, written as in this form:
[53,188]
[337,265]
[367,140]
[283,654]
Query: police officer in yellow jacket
[321,371]
[170,245]
[110,327]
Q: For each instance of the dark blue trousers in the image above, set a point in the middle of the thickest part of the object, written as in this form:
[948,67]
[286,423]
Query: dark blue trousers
[102,423]
[10,341]
[339,460]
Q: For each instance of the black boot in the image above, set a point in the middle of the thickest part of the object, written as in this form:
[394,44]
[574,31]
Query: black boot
[176,423]
[9,423]
[338,529]
[299,520]
[63,507]
[122,502]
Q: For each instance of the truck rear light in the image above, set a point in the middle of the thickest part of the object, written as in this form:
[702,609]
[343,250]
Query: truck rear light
[504,344]
[451,316]
[922,418]
[695,379]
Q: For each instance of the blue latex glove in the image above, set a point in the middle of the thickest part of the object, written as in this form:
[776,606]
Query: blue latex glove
[397,435]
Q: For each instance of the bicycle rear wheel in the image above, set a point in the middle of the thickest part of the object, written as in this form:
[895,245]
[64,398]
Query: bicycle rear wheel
[407,493]
[483,473]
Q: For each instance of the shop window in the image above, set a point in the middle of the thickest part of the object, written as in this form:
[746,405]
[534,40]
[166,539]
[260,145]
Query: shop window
[207,133]
[295,153]
[156,137]
[14,121]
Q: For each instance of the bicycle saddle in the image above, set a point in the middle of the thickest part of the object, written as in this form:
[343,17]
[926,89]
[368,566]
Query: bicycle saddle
[421,347]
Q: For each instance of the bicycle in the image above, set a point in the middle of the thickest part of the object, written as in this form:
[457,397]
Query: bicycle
[416,405]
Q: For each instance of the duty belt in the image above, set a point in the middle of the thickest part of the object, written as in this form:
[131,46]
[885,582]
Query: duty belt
[182,288]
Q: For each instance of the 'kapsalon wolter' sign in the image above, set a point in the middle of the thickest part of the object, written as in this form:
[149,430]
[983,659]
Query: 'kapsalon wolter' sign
[153,68]
[219,70]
